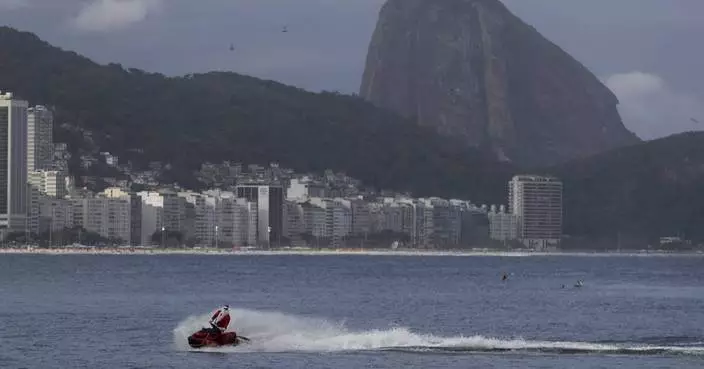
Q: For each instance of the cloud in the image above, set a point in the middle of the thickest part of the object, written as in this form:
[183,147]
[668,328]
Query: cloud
[110,15]
[652,109]
[13,4]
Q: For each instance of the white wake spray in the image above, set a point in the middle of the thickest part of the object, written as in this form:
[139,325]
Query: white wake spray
[277,332]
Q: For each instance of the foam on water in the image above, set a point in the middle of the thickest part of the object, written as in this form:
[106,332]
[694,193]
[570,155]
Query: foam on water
[277,332]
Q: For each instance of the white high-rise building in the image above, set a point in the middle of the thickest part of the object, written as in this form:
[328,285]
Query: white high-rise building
[330,219]
[422,226]
[502,225]
[222,219]
[40,138]
[152,215]
[225,218]
[174,212]
[49,182]
[293,214]
[537,203]
[162,210]
[446,222]
[315,221]
[270,211]
[237,221]
[56,214]
[109,217]
[135,212]
[341,221]
[13,164]
[245,220]
[361,217]
[204,219]
[33,198]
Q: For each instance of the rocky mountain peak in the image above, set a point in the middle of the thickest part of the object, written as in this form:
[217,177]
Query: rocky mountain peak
[471,69]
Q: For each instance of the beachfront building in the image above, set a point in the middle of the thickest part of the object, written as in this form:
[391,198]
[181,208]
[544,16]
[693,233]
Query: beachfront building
[13,164]
[330,220]
[55,214]
[152,215]
[33,197]
[229,221]
[174,216]
[503,226]
[245,223]
[294,225]
[447,227]
[135,212]
[106,216]
[417,221]
[162,211]
[200,215]
[361,217]
[537,203]
[315,224]
[270,211]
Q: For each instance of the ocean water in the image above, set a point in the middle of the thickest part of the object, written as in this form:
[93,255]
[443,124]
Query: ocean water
[75,311]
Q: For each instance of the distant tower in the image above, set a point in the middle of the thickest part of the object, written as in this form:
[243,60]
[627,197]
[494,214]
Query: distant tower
[13,164]
[537,202]
[40,138]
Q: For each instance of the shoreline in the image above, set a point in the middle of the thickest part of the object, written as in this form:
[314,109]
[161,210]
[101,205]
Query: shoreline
[330,252]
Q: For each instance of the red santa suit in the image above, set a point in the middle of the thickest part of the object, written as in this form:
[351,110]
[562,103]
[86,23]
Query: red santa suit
[221,319]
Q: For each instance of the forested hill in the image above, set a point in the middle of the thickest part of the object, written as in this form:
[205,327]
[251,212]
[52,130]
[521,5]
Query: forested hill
[185,121]
[653,189]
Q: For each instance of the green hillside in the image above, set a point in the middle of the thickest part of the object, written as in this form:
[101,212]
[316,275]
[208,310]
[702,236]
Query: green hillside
[213,117]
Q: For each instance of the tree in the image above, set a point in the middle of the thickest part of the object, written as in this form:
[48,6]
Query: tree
[167,238]
[308,238]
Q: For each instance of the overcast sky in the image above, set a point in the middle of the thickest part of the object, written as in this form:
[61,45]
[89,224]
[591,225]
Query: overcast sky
[648,51]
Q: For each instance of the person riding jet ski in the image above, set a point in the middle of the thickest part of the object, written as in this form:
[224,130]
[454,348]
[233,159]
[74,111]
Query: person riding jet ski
[217,334]
[220,320]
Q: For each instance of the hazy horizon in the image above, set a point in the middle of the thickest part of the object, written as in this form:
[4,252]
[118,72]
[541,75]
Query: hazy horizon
[647,57]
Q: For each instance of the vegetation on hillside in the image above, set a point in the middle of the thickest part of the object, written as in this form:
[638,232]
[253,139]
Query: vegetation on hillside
[650,190]
[185,121]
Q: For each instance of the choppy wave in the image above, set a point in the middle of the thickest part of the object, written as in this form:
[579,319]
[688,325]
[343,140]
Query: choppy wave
[277,332]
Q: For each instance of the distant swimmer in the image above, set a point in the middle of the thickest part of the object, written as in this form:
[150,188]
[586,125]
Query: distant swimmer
[580,283]
[505,277]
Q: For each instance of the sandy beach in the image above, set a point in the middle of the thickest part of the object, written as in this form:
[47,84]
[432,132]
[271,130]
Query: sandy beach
[324,252]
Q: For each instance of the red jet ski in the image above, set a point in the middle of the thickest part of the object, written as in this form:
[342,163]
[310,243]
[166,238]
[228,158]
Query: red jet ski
[210,338]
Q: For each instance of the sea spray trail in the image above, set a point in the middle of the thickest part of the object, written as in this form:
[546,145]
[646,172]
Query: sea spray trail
[278,332]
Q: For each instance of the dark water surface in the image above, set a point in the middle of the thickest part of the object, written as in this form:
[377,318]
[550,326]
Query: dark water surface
[349,312]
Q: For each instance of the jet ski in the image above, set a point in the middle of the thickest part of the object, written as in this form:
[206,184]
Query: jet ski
[207,337]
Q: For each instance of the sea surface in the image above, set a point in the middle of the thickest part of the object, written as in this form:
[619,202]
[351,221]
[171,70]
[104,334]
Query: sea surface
[345,312]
